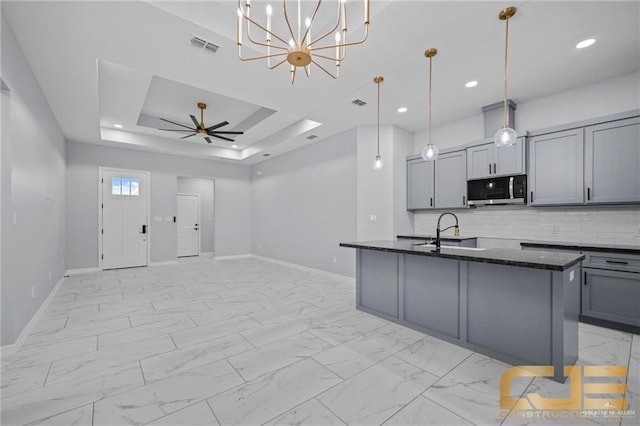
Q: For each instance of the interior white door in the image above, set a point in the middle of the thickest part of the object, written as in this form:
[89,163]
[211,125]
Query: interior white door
[188,225]
[125,197]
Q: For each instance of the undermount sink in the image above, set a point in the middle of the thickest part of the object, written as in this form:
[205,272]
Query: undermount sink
[453,247]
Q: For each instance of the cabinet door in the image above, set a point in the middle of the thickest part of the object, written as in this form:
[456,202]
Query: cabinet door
[509,160]
[555,168]
[451,180]
[612,162]
[611,295]
[420,184]
[480,161]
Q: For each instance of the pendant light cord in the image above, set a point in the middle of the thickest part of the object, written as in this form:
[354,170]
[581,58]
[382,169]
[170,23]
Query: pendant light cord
[378,122]
[506,93]
[430,74]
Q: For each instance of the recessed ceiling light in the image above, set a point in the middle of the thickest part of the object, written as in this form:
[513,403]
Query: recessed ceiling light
[402,109]
[472,83]
[234,146]
[118,126]
[585,43]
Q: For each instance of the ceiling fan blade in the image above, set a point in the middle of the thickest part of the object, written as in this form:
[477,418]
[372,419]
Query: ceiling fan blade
[227,132]
[188,136]
[177,130]
[195,121]
[207,139]
[221,137]
[217,126]
[177,124]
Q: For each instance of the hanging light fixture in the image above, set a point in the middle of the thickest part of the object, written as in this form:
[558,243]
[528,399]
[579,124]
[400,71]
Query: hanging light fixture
[378,164]
[506,136]
[430,151]
[299,48]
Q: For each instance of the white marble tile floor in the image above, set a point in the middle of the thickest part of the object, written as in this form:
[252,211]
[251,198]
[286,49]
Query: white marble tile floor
[252,342]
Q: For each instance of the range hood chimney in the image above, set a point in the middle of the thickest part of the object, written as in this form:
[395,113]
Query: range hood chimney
[494,117]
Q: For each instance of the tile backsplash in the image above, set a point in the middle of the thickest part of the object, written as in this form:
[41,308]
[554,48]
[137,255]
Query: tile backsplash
[615,225]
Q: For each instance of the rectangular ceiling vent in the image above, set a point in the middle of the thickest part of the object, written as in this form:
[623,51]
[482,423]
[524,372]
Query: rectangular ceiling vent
[358,102]
[201,43]
[312,137]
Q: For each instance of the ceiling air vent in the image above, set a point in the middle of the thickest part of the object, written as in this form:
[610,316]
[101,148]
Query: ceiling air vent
[201,43]
[312,137]
[358,102]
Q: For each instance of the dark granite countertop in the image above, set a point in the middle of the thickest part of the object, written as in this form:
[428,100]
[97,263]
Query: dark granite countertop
[433,237]
[521,258]
[623,249]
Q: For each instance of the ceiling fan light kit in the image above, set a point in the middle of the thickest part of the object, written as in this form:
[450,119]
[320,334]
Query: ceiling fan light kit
[201,129]
[299,48]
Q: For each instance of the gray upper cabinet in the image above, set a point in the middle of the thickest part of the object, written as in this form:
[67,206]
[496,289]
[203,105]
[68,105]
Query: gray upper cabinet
[420,184]
[487,160]
[612,162]
[451,180]
[556,168]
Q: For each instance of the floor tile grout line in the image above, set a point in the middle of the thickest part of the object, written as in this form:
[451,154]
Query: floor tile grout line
[445,408]
[235,369]
[144,380]
[212,412]
[47,376]
[331,411]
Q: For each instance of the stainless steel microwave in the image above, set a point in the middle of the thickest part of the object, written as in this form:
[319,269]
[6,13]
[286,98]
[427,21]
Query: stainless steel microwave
[497,191]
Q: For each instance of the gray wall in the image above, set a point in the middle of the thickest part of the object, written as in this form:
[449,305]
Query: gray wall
[33,189]
[304,205]
[204,188]
[232,209]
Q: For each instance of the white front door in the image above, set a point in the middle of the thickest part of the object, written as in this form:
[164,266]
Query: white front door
[188,225]
[125,197]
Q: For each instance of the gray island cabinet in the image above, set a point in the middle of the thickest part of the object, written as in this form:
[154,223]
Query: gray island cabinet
[516,306]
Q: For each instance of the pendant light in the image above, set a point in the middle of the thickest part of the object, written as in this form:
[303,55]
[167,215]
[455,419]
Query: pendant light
[430,151]
[378,164]
[506,136]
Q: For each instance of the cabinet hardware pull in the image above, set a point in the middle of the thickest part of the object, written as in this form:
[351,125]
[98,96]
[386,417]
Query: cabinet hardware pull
[531,196]
[489,168]
[431,202]
[585,278]
[617,262]
[464,200]
[144,229]
[588,194]
[494,168]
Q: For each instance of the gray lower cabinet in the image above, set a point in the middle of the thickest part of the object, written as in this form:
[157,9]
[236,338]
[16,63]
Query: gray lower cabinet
[612,162]
[451,180]
[432,303]
[420,184]
[380,271]
[524,300]
[556,168]
[611,295]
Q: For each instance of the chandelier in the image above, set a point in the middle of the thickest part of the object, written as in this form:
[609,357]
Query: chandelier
[289,38]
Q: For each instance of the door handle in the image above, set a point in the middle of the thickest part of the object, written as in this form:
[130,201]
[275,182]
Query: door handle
[144,229]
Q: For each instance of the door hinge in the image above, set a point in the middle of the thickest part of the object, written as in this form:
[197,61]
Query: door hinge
[102,256]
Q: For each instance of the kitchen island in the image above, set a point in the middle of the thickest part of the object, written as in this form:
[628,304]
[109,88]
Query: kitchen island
[516,306]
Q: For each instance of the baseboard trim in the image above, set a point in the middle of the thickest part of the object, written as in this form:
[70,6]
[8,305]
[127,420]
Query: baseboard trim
[236,256]
[81,271]
[13,348]
[164,263]
[305,268]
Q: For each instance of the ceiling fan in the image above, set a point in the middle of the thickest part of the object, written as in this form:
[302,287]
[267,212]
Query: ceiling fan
[201,129]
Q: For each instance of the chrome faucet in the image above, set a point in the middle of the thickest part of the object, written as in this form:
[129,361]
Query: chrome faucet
[438,230]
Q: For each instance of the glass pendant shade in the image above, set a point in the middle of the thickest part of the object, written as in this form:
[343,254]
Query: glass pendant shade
[378,164]
[430,152]
[505,137]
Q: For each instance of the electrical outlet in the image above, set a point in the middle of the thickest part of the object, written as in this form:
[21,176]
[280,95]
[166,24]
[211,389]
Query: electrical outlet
[556,230]
[373,218]
[638,232]
[49,275]
[334,259]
